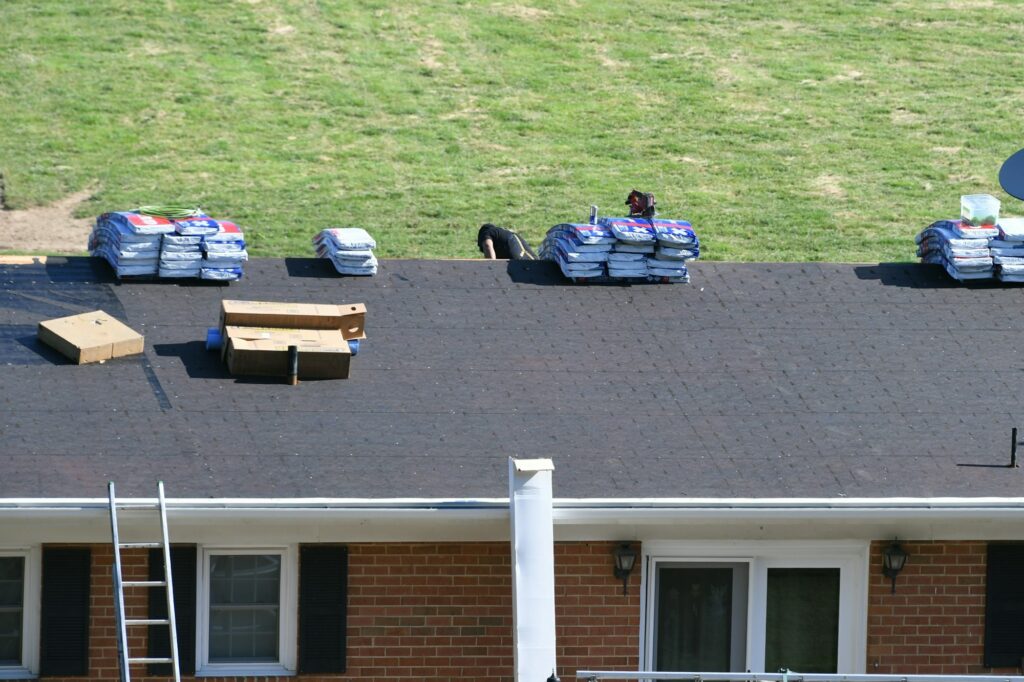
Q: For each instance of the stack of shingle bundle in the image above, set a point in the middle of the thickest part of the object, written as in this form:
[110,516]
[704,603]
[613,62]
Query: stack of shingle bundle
[581,250]
[129,241]
[350,249]
[137,243]
[623,248]
[223,252]
[962,249]
[1008,250]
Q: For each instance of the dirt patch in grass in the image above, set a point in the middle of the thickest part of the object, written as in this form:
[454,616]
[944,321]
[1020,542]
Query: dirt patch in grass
[828,186]
[46,229]
[523,12]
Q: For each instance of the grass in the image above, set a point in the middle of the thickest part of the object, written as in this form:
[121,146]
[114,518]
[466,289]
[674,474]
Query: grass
[815,130]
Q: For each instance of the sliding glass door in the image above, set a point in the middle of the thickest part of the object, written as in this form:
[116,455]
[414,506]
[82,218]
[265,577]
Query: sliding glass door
[796,606]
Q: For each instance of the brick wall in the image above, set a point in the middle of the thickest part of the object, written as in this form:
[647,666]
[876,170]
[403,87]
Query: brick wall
[430,612]
[444,611]
[935,623]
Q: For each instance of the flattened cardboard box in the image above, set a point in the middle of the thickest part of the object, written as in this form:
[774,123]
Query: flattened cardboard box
[349,319]
[263,351]
[90,337]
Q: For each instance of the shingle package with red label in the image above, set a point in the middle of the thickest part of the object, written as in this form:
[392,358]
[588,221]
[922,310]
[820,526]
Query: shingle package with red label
[136,244]
[634,248]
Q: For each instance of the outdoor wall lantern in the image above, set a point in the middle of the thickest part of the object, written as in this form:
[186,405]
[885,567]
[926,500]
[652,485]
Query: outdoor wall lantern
[893,559]
[625,558]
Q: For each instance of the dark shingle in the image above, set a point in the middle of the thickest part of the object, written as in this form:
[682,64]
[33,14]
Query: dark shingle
[758,380]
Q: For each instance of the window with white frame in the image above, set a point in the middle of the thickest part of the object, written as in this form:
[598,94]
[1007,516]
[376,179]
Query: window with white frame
[758,606]
[19,608]
[247,606]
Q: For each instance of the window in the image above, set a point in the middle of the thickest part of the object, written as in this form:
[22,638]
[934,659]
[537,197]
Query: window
[247,602]
[19,609]
[1004,606]
[759,606]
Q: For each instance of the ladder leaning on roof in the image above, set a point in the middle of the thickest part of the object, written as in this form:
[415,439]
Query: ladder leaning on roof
[124,659]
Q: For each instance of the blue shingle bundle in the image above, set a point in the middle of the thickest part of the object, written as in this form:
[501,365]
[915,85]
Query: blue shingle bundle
[581,250]
[180,255]
[1008,250]
[223,252]
[961,249]
[350,250]
[136,244]
[630,248]
[130,242]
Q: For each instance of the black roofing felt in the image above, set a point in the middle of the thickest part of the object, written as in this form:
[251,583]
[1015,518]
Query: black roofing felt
[757,380]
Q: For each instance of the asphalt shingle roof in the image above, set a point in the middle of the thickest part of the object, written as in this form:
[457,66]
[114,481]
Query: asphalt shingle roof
[757,380]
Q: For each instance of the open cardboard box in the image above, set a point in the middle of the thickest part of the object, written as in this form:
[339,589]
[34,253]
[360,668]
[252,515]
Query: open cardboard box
[256,336]
[263,351]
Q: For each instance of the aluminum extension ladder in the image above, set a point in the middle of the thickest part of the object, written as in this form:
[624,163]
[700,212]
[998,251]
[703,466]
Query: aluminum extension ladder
[120,584]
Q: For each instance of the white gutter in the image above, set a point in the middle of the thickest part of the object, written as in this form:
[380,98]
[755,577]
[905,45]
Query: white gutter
[567,511]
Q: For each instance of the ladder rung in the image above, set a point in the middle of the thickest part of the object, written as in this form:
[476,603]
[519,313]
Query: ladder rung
[147,621]
[141,545]
[150,660]
[144,583]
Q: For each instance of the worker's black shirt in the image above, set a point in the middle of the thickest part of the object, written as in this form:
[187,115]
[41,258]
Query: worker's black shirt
[507,244]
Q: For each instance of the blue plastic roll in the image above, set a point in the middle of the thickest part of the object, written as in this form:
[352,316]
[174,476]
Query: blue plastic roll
[213,339]
[353,345]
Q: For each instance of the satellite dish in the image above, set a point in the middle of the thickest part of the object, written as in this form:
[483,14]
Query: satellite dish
[1011,175]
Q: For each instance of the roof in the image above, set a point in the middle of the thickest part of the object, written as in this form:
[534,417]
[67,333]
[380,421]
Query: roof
[755,381]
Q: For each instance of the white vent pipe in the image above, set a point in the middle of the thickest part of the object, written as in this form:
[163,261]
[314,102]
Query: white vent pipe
[533,568]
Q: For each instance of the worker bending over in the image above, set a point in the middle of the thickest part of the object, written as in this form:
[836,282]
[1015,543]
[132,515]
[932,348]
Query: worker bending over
[497,242]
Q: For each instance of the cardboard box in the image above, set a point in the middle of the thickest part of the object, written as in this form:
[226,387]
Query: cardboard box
[90,337]
[349,319]
[263,351]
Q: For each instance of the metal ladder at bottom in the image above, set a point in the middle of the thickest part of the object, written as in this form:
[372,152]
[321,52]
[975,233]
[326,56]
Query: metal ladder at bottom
[123,624]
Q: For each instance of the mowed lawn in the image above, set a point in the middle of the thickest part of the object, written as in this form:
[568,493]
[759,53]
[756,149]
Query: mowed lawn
[814,130]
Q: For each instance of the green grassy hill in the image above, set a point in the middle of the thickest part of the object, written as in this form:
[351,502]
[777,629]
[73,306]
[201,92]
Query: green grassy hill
[815,130]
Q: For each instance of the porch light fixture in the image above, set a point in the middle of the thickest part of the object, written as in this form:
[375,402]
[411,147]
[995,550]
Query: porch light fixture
[625,558]
[893,559]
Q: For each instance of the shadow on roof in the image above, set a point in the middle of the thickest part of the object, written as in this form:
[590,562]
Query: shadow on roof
[310,267]
[85,269]
[547,273]
[19,345]
[199,363]
[920,276]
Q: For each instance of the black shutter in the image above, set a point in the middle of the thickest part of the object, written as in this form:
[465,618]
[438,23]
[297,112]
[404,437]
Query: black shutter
[1004,606]
[183,573]
[64,616]
[323,581]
